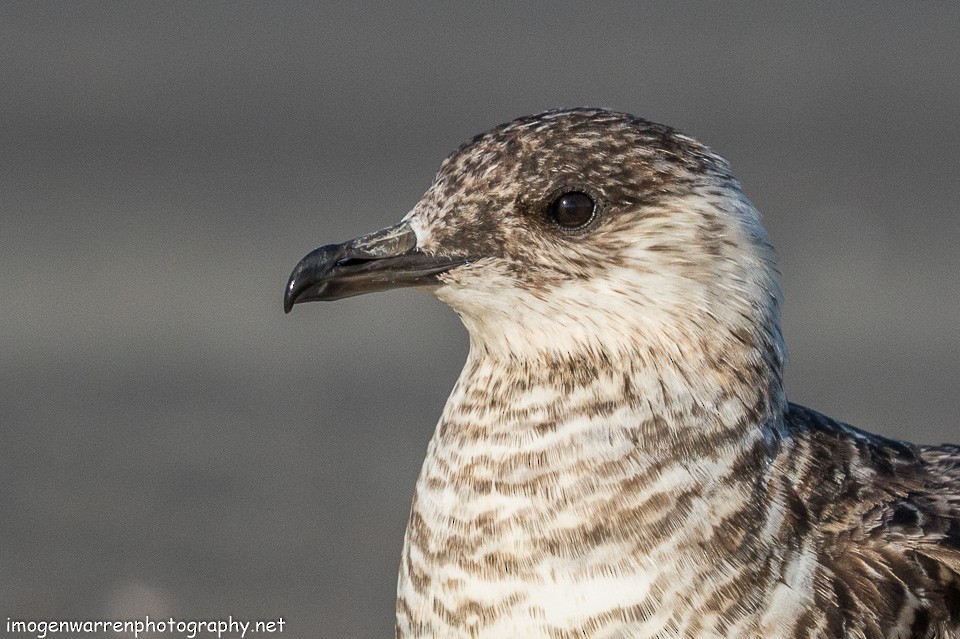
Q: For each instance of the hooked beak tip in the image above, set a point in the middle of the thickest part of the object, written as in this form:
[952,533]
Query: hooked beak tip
[296,285]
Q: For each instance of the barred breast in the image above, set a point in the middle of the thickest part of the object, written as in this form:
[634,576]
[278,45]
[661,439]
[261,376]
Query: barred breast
[538,513]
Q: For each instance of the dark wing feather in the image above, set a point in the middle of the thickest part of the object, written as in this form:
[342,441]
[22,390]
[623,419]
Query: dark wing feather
[886,517]
[942,542]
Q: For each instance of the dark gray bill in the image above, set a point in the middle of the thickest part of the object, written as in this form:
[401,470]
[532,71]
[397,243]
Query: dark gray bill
[378,261]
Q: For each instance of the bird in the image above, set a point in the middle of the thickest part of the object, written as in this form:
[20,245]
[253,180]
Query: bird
[618,457]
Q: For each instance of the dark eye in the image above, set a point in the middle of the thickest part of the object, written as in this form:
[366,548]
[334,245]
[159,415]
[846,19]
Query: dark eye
[572,210]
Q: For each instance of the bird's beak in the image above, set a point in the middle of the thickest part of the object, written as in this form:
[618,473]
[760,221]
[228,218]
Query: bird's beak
[378,261]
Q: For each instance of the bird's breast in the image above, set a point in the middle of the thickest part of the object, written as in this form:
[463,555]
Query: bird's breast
[526,532]
[547,510]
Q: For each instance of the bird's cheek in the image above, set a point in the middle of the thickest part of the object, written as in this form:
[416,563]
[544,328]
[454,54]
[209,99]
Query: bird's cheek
[483,283]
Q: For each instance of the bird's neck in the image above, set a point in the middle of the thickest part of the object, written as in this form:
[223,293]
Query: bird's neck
[560,426]
[690,401]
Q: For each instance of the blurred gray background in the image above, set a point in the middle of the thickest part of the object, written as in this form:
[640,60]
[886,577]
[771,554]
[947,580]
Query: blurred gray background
[173,444]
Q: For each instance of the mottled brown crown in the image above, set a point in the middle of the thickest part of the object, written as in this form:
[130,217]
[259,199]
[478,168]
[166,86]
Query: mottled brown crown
[508,175]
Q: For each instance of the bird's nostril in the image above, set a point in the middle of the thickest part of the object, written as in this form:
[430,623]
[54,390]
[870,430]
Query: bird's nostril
[353,261]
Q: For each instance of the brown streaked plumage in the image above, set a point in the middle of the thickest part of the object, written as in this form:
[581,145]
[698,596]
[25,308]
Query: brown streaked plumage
[618,457]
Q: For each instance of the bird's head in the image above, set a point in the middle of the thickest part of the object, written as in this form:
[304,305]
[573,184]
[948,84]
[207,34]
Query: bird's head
[576,229]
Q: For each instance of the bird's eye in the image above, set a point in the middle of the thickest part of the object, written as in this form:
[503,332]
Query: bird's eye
[572,210]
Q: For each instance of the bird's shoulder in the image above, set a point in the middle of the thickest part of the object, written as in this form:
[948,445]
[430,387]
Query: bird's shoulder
[894,484]
[885,515]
